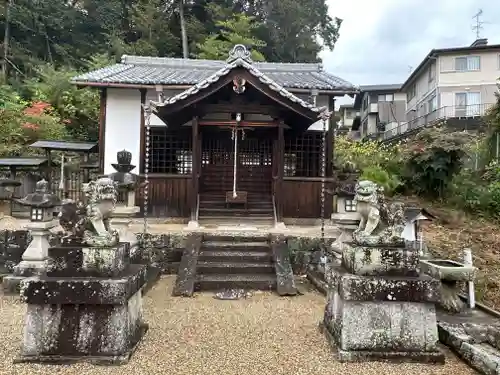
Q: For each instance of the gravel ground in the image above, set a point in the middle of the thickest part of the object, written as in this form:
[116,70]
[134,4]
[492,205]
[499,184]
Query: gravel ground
[264,334]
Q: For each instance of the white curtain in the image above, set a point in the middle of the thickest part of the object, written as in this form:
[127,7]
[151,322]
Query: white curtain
[473,63]
[473,103]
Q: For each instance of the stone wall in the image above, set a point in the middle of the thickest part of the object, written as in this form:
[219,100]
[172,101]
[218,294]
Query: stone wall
[163,251]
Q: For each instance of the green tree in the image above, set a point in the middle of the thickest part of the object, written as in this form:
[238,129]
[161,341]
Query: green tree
[78,108]
[296,31]
[237,29]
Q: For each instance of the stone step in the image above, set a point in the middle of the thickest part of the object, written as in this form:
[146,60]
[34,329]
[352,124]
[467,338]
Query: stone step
[237,245]
[239,237]
[235,256]
[236,281]
[207,212]
[230,268]
[245,219]
[221,197]
[231,221]
[255,202]
[218,210]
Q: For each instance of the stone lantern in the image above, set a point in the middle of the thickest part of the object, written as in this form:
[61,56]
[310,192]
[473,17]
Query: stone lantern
[34,260]
[127,183]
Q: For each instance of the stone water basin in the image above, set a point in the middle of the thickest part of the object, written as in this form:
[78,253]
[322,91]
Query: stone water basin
[448,270]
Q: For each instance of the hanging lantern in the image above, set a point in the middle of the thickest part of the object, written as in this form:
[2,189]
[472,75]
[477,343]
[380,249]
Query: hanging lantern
[239,85]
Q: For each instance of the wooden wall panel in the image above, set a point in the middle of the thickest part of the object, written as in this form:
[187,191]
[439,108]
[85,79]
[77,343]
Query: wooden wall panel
[168,196]
[302,198]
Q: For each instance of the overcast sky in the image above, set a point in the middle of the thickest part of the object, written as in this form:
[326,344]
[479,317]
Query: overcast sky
[380,40]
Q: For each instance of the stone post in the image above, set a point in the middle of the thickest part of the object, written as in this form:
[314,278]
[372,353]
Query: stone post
[122,218]
[34,258]
[127,183]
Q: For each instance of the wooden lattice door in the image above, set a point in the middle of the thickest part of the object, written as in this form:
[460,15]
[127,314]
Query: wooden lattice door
[254,163]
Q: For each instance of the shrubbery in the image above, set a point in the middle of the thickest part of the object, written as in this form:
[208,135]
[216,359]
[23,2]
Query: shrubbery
[434,164]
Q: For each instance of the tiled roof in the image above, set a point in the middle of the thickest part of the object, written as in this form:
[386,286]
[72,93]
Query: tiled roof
[239,57]
[65,146]
[22,162]
[174,71]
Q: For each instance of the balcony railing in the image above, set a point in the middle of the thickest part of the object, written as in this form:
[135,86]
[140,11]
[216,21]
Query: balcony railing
[443,113]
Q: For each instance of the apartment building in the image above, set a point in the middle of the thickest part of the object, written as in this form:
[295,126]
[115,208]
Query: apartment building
[380,107]
[453,82]
[347,115]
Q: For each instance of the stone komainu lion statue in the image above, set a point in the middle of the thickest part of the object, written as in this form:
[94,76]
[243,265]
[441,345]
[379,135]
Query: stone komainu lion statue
[381,222]
[89,223]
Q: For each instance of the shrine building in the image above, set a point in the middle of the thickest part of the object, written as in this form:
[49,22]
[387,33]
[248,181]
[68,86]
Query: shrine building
[226,141]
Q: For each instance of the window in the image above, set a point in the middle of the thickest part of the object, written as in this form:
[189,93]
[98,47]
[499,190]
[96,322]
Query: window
[302,154]
[170,151]
[350,205]
[467,104]
[412,91]
[498,67]
[365,102]
[432,72]
[349,114]
[386,98]
[432,104]
[467,63]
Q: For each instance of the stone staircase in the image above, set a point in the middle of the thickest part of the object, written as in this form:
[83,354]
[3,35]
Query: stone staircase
[226,262]
[213,262]
[213,210]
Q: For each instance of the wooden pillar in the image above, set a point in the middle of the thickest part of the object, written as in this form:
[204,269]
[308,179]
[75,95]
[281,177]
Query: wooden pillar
[281,171]
[195,169]
[102,129]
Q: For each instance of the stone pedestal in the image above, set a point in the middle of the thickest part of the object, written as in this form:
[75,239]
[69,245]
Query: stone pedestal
[380,308]
[34,259]
[122,217]
[88,306]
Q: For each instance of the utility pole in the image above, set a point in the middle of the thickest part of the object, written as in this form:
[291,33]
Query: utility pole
[6,41]
[478,25]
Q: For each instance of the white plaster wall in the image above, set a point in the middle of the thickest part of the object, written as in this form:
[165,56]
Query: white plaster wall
[487,74]
[123,125]
[372,123]
[347,122]
[152,95]
[447,93]
[400,96]
[424,88]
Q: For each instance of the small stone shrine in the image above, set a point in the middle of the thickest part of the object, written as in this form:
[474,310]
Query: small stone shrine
[379,307]
[88,305]
[34,258]
[127,183]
